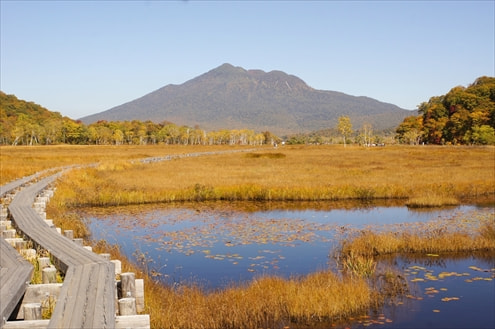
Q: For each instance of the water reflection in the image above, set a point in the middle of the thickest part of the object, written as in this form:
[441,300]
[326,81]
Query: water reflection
[447,292]
[217,244]
[221,242]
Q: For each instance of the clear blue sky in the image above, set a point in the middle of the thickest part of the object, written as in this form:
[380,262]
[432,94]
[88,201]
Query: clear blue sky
[84,57]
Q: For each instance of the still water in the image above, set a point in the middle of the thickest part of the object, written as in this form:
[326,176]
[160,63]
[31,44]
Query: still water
[217,244]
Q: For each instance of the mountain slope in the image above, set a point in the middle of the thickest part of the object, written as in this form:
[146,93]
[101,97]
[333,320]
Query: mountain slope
[229,97]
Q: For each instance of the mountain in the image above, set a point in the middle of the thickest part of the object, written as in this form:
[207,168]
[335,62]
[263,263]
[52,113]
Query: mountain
[229,97]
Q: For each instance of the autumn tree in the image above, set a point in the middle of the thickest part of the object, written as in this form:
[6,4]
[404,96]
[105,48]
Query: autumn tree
[367,134]
[410,130]
[465,115]
[345,127]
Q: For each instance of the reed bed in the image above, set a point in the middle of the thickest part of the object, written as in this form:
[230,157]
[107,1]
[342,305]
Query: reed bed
[20,161]
[309,173]
[321,298]
[471,233]
[426,176]
[266,302]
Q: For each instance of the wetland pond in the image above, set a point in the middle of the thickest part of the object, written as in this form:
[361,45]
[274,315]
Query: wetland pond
[215,245]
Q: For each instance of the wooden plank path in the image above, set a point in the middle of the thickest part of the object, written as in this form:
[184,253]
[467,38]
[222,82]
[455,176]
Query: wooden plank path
[87,297]
[15,271]
[12,186]
[190,155]
[15,274]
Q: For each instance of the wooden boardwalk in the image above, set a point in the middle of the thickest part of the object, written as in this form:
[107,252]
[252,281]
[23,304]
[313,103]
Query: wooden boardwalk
[15,273]
[87,297]
[12,186]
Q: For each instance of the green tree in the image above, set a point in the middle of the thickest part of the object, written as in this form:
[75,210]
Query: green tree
[484,135]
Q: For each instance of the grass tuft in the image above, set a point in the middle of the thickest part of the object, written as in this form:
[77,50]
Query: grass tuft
[265,155]
[487,231]
[358,265]
[453,235]
[431,200]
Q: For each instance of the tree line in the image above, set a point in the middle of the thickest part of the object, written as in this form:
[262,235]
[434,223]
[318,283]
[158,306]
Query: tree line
[26,123]
[465,115]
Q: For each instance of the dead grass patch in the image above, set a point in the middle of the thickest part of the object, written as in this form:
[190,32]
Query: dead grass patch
[468,233]
[426,176]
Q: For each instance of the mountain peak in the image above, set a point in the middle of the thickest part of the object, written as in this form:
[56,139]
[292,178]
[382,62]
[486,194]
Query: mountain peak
[228,68]
[231,97]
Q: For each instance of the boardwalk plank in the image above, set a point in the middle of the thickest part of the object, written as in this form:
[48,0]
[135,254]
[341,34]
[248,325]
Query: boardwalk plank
[86,299]
[106,274]
[15,272]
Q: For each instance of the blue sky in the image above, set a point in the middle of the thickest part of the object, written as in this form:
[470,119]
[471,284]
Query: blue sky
[84,57]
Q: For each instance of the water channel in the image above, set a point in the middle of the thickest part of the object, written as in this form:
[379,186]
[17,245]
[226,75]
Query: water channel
[218,244]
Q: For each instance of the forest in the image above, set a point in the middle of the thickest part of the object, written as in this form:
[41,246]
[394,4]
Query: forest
[465,115]
[26,123]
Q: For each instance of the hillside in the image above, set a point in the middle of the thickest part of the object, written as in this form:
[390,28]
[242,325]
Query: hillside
[27,122]
[12,107]
[229,97]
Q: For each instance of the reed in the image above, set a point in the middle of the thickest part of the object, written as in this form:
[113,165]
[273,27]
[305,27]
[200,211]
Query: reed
[358,265]
[432,198]
[20,161]
[323,298]
[487,230]
[309,173]
[443,236]
[266,302]
[426,176]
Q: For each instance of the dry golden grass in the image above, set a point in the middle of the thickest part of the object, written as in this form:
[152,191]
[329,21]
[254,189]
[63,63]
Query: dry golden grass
[288,173]
[476,232]
[266,302]
[321,297]
[20,161]
[426,176]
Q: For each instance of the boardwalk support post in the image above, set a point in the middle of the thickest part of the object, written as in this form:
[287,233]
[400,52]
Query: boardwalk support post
[128,284]
[49,275]
[32,311]
[127,306]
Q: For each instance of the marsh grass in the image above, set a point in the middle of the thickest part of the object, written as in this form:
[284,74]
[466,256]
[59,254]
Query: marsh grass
[469,233]
[487,230]
[265,302]
[426,176]
[67,220]
[358,265]
[20,161]
[47,306]
[304,173]
[269,155]
[36,276]
[432,198]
